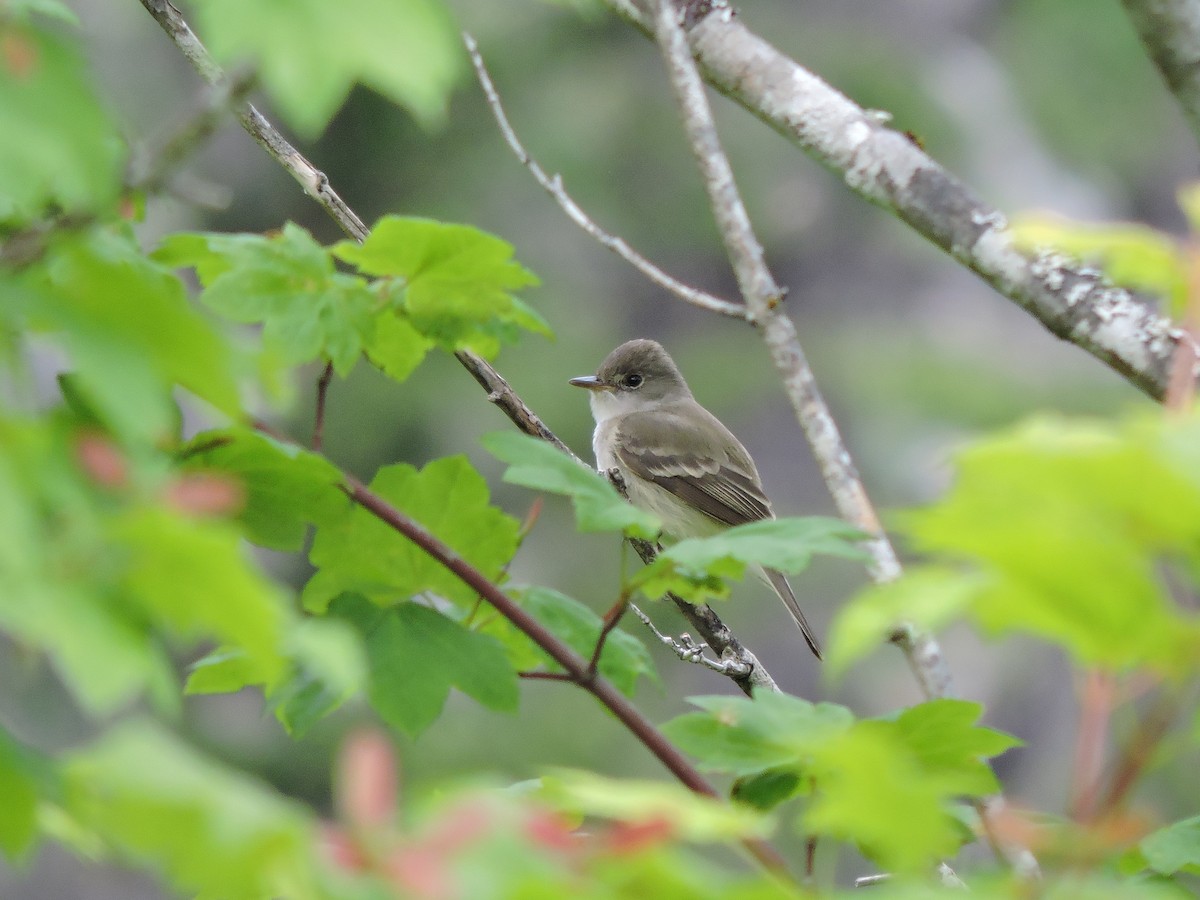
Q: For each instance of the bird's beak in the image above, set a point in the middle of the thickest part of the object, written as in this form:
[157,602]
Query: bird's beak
[591,382]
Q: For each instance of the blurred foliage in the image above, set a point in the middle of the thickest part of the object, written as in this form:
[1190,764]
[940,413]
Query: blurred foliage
[157,537]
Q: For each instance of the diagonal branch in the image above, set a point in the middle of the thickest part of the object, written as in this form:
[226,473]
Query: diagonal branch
[703,618]
[762,296]
[1071,300]
[1170,32]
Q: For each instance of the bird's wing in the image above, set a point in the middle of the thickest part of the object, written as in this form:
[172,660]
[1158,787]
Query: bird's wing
[717,478]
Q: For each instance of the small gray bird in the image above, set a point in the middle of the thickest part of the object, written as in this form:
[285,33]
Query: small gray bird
[678,461]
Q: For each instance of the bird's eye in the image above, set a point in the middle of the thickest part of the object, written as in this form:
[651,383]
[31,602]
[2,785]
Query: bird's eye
[633,381]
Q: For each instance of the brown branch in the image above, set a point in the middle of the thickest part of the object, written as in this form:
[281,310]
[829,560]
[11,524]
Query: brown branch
[318,434]
[574,665]
[1095,714]
[887,168]
[1139,751]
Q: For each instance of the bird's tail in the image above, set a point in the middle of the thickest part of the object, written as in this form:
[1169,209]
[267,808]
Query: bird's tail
[784,590]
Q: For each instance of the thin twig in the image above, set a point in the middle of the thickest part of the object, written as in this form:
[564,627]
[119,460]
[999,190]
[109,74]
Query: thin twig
[552,184]
[318,434]
[703,618]
[1170,32]
[762,295]
[1139,751]
[1095,714]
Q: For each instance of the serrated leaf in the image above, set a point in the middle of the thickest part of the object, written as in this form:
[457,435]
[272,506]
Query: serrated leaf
[357,552]
[689,815]
[309,54]
[1175,848]
[696,568]
[535,464]
[211,830]
[62,150]
[286,282]
[286,488]
[624,658]
[395,346]
[455,282]
[416,655]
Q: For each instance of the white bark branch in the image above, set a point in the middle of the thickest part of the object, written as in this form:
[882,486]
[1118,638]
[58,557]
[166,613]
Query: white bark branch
[1073,301]
[762,296]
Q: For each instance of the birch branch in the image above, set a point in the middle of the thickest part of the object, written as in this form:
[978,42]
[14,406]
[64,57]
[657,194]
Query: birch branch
[1170,32]
[762,295]
[703,618]
[1073,301]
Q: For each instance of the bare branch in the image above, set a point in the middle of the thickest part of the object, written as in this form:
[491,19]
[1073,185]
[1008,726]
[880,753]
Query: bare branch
[1170,32]
[1071,300]
[762,295]
[552,184]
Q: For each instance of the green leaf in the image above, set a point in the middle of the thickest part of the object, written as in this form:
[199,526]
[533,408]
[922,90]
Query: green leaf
[454,281]
[61,148]
[747,737]
[624,658]
[690,815]
[416,655]
[536,464]
[395,346]
[286,488]
[212,830]
[871,790]
[768,789]
[1133,256]
[194,579]
[309,54]
[358,552]
[1174,848]
[695,568]
[1069,523]
[129,330]
[286,282]
[929,597]
[21,774]
[946,741]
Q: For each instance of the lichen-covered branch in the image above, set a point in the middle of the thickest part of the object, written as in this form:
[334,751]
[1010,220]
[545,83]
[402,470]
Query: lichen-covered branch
[1073,301]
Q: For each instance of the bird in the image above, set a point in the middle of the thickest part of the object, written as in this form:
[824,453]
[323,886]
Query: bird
[678,461]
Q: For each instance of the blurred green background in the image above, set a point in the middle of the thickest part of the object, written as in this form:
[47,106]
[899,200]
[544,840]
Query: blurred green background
[1047,106]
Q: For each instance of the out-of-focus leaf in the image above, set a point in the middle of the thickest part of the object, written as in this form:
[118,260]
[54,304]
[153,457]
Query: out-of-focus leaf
[1175,848]
[598,507]
[61,148]
[211,830]
[686,814]
[357,552]
[309,54]
[21,772]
